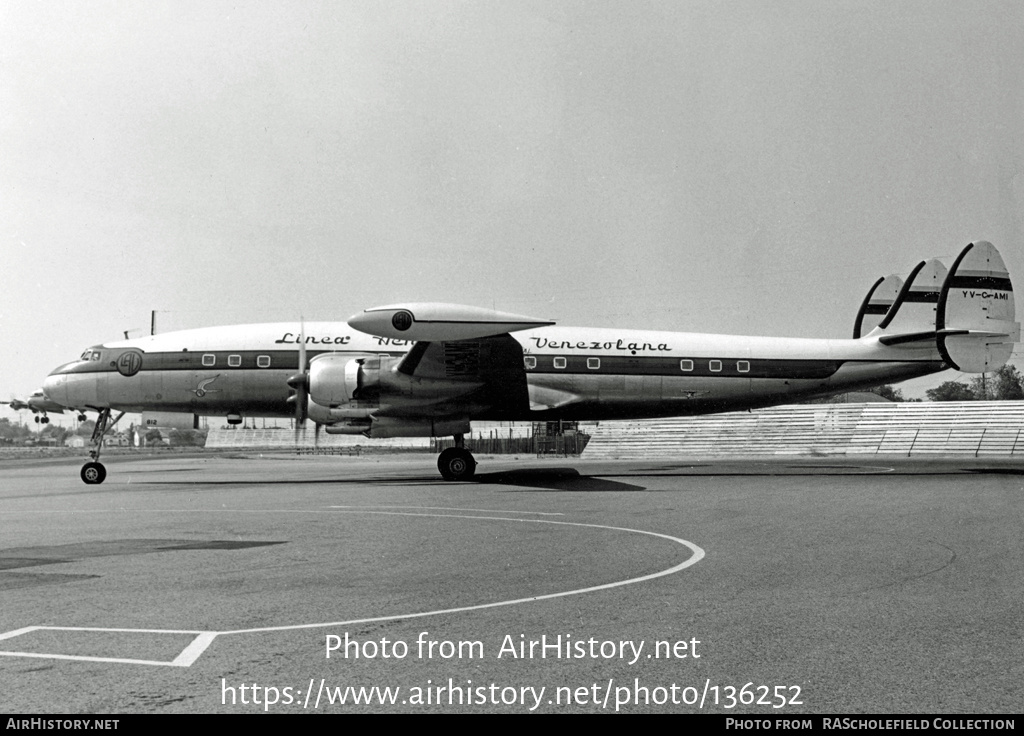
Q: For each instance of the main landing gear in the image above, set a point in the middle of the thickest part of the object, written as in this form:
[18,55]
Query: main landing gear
[457,463]
[93,472]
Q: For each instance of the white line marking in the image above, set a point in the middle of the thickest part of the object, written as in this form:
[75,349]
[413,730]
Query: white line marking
[78,658]
[18,632]
[115,631]
[192,652]
[447,508]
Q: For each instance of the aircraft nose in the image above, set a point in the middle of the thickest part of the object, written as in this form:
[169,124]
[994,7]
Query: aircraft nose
[55,388]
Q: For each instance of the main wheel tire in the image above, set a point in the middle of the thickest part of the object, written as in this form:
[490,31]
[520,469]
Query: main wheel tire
[456,463]
[93,473]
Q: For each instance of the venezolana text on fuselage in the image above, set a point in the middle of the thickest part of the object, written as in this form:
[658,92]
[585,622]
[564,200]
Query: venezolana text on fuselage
[431,369]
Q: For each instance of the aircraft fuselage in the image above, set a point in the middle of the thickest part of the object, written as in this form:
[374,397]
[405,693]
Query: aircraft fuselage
[571,373]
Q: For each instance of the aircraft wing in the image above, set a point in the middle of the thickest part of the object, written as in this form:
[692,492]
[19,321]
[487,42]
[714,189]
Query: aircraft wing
[459,345]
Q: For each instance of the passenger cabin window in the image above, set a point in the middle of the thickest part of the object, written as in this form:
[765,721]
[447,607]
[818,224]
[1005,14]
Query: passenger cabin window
[530,362]
[593,363]
[559,362]
[743,366]
[234,361]
[263,361]
[209,359]
[686,365]
[715,366]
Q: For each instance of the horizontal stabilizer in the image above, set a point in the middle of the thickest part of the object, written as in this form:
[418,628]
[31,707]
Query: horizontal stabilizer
[440,322]
[942,335]
[907,338]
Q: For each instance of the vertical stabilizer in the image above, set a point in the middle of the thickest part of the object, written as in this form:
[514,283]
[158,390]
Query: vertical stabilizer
[876,304]
[976,318]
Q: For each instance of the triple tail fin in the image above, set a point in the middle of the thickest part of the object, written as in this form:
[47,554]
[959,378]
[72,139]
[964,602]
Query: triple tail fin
[976,319]
[967,313]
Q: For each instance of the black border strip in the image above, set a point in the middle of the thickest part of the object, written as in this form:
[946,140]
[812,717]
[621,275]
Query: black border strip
[864,309]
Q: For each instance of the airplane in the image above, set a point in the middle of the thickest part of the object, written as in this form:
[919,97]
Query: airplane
[430,369]
[38,404]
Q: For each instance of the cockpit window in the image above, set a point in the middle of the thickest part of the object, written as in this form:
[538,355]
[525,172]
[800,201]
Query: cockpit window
[95,355]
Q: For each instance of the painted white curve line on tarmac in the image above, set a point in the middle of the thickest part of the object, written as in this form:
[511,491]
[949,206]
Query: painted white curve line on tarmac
[698,555]
[203,639]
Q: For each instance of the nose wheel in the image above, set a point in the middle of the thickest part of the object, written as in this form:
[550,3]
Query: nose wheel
[93,473]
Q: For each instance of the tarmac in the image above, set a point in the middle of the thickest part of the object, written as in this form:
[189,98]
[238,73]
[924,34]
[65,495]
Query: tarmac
[283,583]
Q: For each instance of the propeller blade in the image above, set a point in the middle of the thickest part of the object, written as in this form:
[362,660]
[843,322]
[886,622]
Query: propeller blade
[300,383]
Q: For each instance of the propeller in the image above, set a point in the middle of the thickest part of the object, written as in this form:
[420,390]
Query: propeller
[300,383]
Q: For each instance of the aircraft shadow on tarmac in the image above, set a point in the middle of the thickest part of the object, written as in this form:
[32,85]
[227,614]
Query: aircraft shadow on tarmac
[570,479]
[555,479]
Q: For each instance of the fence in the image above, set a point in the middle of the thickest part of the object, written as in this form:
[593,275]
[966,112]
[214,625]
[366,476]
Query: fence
[561,445]
[507,439]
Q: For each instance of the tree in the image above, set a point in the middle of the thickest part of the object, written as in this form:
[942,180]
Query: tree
[1009,384]
[86,428]
[886,391]
[59,434]
[1003,385]
[951,391]
[13,432]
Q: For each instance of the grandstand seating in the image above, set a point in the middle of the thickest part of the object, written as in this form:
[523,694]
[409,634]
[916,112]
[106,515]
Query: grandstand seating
[976,428]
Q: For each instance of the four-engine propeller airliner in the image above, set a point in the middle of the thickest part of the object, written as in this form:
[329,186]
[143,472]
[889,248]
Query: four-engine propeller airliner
[432,369]
[39,405]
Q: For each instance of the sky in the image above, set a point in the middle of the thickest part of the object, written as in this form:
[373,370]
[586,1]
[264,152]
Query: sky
[743,167]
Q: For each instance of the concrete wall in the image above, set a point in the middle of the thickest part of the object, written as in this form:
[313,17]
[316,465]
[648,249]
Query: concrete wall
[285,438]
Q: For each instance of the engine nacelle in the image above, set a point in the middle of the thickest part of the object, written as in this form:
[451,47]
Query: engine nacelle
[349,426]
[400,427]
[336,380]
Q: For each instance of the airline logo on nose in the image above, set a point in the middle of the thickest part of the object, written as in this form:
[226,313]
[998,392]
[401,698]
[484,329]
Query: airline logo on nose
[129,363]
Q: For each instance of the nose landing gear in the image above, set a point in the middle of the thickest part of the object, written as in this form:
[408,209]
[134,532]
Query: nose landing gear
[93,472]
